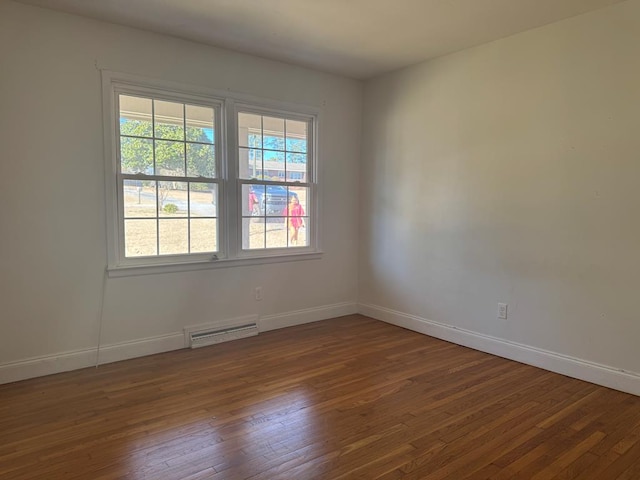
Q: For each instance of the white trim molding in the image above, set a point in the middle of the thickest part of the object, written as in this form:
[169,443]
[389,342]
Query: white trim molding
[604,375]
[76,359]
[140,348]
[46,365]
[307,315]
[225,107]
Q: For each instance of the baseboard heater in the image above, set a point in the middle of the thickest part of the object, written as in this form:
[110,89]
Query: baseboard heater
[202,338]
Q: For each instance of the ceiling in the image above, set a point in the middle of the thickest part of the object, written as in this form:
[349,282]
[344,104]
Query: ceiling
[355,38]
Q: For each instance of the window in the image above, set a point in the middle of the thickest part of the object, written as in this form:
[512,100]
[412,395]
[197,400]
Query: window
[167,176]
[274,157]
[196,178]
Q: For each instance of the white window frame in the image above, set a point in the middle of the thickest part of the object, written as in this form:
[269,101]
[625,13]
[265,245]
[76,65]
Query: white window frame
[311,183]
[229,210]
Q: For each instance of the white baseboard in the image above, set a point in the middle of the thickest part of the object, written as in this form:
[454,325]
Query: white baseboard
[140,348]
[73,360]
[308,315]
[566,365]
[46,365]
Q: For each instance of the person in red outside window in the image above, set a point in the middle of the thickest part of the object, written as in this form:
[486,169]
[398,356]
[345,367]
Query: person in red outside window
[253,203]
[294,213]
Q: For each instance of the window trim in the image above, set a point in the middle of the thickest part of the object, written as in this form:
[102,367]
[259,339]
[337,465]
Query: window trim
[312,183]
[219,179]
[226,148]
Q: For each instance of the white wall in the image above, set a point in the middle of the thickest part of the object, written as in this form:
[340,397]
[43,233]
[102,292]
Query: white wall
[507,172]
[510,173]
[52,207]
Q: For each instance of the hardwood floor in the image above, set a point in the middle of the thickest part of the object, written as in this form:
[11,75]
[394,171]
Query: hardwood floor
[346,398]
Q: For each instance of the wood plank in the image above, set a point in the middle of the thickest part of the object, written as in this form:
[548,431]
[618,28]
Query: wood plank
[345,398]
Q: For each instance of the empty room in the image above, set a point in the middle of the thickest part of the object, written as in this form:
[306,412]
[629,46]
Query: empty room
[305,239]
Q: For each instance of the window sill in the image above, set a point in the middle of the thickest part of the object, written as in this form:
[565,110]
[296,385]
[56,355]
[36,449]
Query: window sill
[136,270]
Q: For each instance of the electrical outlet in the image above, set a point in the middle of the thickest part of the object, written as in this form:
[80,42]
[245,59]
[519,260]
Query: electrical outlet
[257,294]
[502,310]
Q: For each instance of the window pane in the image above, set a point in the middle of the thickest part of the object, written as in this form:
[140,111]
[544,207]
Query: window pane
[296,136]
[136,155]
[249,130]
[169,120]
[296,167]
[200,124]
[135,116]
[140,238]
[169,158]
[273,133]
[250,163]
[203,235]
[297,217]
[203,198]
[253,233]
[173,236]
[298,236]
[301,195]
[253,198]
[273,165]
[201,160]
[140,198]
[285,209]
[276,233]
[172,199]
[275,201]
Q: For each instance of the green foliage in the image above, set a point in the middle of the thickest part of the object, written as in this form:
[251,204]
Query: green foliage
[200,160]
[137,153]
[170,208]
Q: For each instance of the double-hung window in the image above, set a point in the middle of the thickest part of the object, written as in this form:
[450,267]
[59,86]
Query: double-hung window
[199,178]
[167,178]
[275,175]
